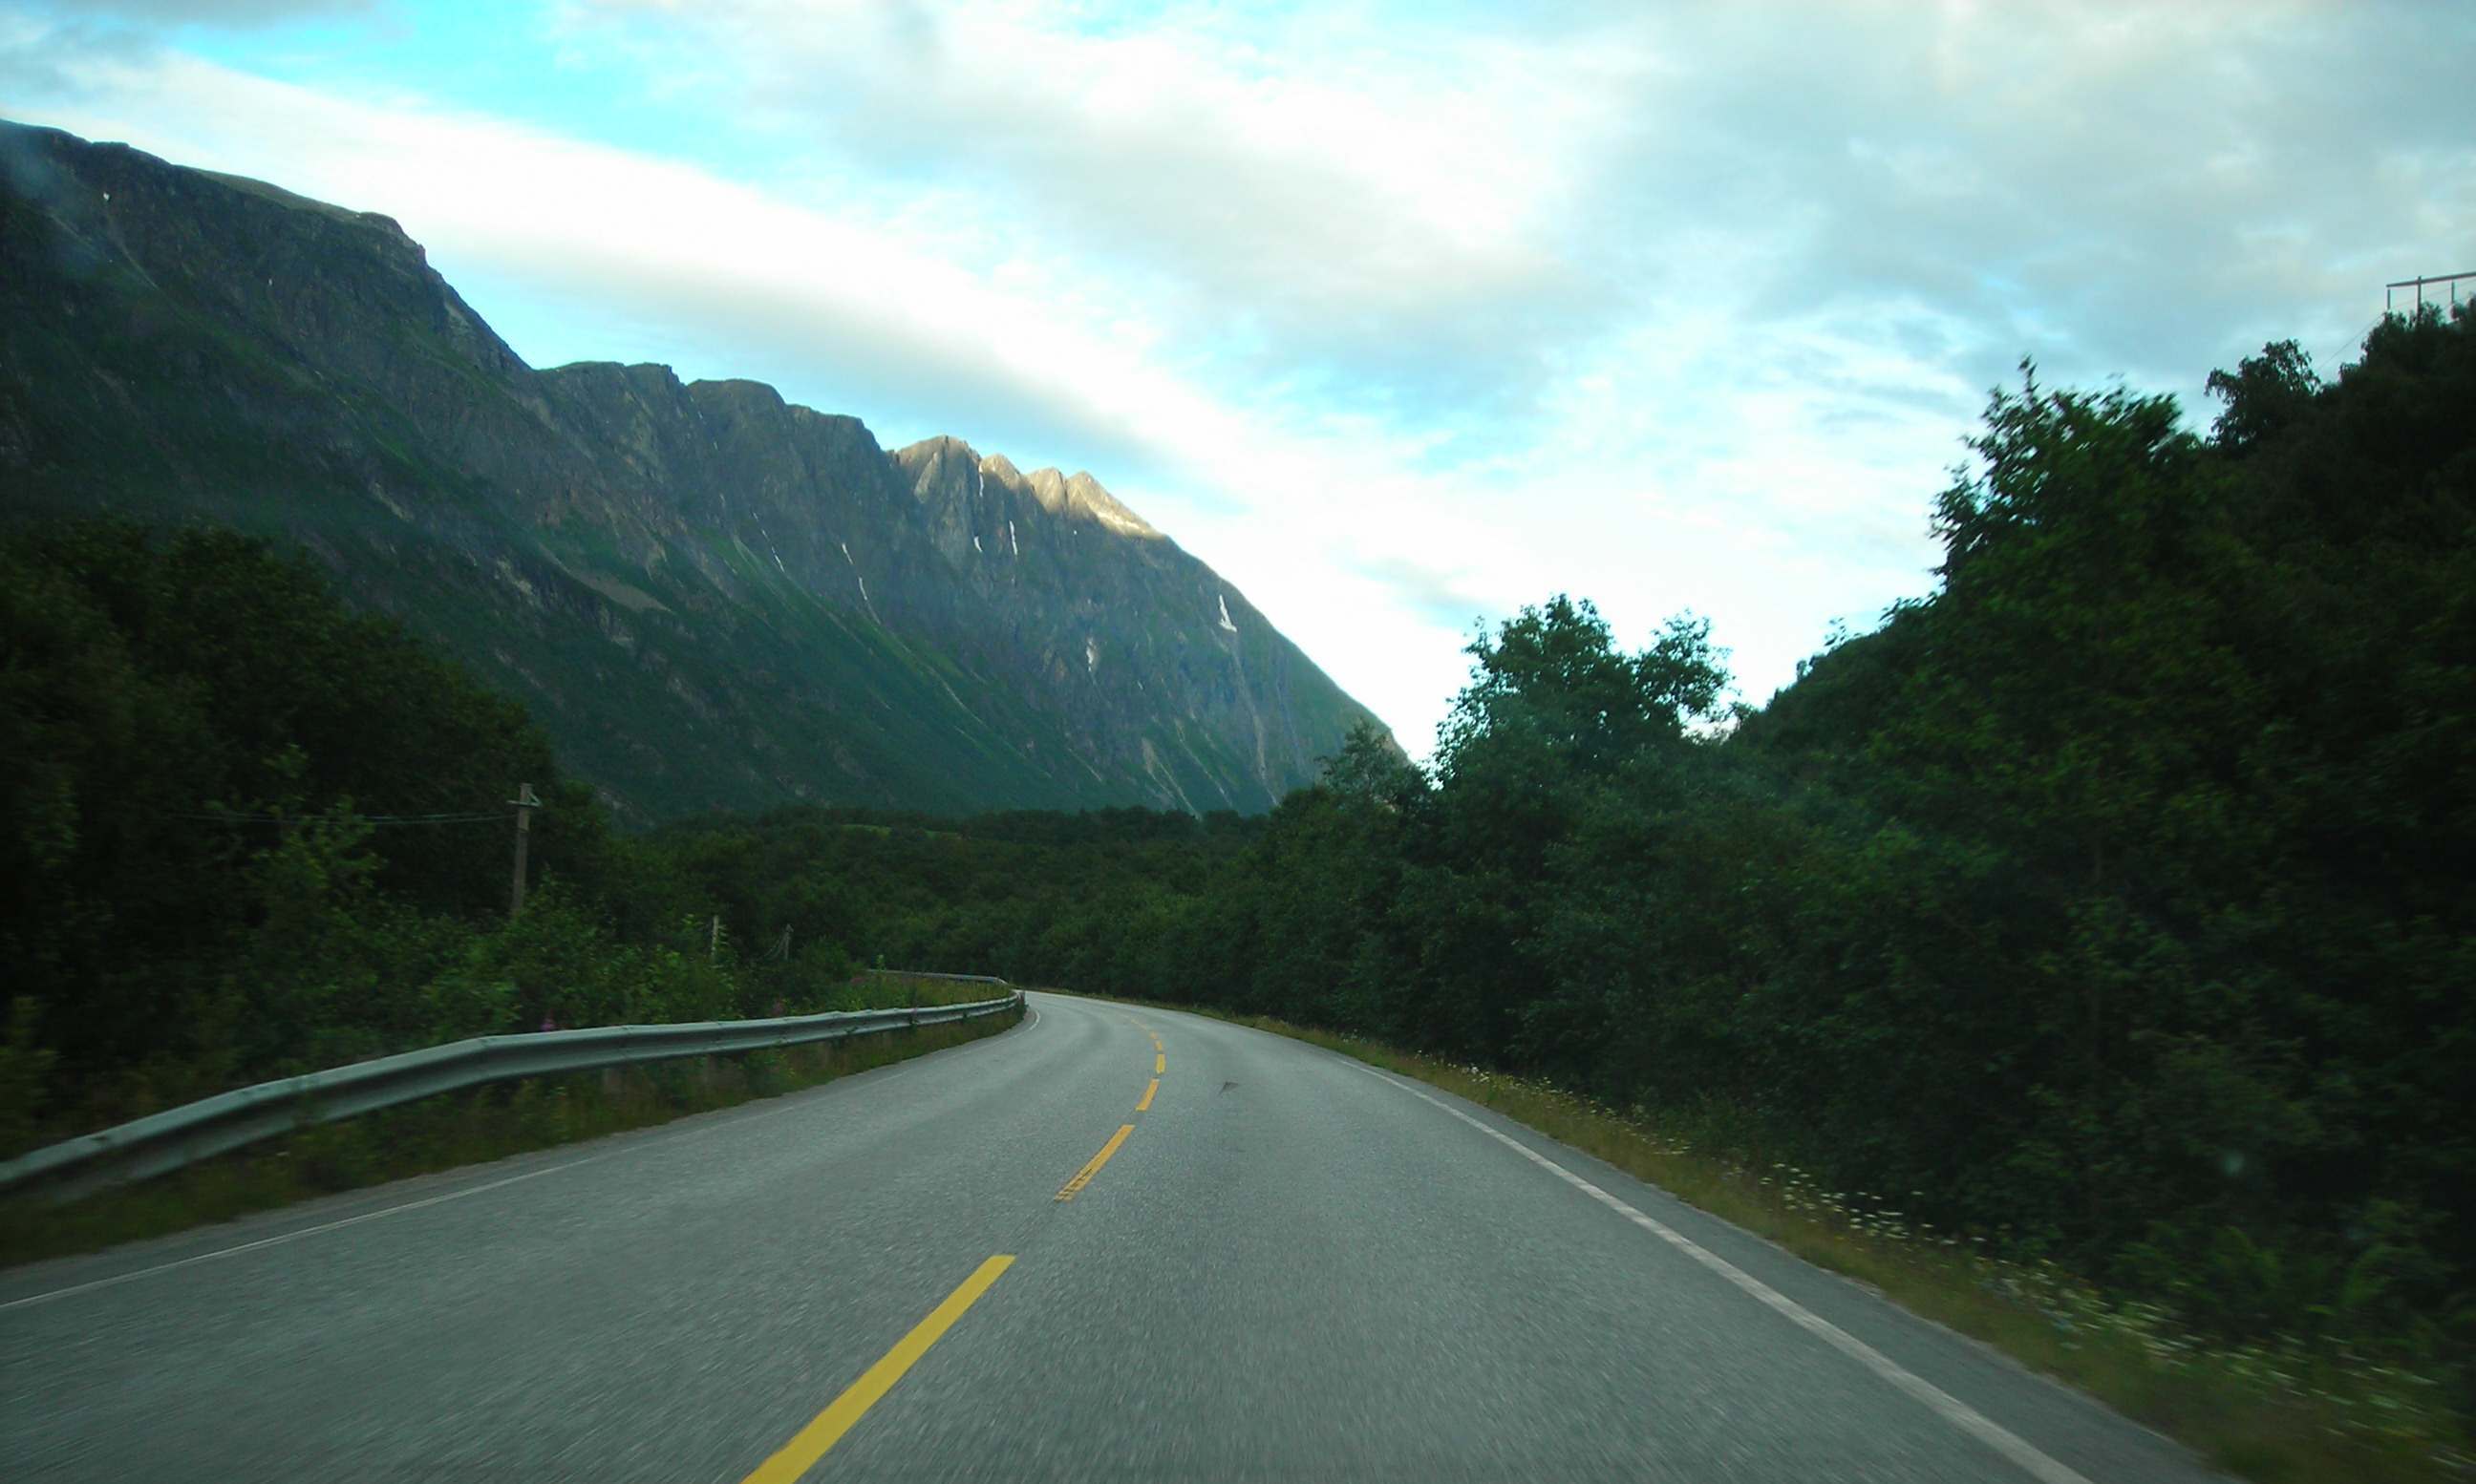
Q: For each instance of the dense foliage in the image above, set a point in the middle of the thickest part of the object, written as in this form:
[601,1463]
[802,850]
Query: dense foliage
[2113,900]
[245,832]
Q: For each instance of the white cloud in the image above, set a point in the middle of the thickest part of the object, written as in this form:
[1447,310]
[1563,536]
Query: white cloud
[1395,315]
[1327,192]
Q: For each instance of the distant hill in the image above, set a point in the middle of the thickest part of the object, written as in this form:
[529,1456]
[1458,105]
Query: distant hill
[710,598]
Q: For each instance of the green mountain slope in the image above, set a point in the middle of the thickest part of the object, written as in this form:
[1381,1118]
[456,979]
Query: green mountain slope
[712,599]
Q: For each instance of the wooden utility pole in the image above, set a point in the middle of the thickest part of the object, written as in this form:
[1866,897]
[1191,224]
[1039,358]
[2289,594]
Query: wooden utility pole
[525,804]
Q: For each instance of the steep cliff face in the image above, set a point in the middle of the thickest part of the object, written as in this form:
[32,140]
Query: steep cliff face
[712,598]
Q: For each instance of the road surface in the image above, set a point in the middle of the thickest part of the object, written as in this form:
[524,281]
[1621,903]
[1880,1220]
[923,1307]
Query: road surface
[1108,1243]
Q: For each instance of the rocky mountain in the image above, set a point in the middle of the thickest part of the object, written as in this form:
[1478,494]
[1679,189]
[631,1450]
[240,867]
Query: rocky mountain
[711,597]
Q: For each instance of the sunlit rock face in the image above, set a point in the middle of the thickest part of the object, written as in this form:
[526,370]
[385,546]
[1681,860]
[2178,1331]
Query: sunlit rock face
[710,597]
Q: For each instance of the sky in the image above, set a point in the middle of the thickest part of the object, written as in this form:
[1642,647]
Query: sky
[1399,316]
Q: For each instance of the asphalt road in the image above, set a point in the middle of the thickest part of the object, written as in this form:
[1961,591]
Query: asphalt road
[1289,1267]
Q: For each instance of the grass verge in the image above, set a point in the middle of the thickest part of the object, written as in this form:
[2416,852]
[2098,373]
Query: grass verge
[474,1126]
[2283,1415]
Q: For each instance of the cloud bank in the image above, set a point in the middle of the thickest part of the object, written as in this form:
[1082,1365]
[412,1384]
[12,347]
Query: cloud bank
[1399,316]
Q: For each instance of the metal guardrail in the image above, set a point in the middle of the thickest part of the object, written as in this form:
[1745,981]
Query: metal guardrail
[181,1136]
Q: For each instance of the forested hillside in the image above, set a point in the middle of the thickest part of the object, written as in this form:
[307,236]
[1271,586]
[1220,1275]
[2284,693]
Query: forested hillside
[247,832]
[2113,902]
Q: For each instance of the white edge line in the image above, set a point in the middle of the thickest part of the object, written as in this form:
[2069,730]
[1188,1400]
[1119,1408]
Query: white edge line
[674,1136]
[119,1278]
[1942,1403]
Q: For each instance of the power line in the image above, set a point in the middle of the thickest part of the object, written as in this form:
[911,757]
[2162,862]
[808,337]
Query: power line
[2419,284]
[228,817]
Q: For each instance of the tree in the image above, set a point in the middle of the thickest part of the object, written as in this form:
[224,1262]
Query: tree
[2267,394]
[1554,678]
[1371,770]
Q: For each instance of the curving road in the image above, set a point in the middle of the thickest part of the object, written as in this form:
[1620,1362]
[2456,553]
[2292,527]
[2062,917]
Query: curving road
[1286,1267]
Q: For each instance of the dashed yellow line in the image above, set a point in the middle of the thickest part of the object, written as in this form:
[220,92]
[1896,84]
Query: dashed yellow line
[1084,1177]
[810,1443]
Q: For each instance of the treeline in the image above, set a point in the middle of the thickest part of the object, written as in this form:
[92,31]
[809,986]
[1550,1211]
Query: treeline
[2113,902]
[246,831]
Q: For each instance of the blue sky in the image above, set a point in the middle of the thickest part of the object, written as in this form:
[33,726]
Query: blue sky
[1402,317]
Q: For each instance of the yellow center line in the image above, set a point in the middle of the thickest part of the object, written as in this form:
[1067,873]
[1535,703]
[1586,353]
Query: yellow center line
[1144,1106]
[1084,1177]
[810,1443]
[1160,1064]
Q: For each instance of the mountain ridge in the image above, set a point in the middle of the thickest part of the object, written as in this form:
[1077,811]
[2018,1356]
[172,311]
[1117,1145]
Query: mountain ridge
[713,597]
